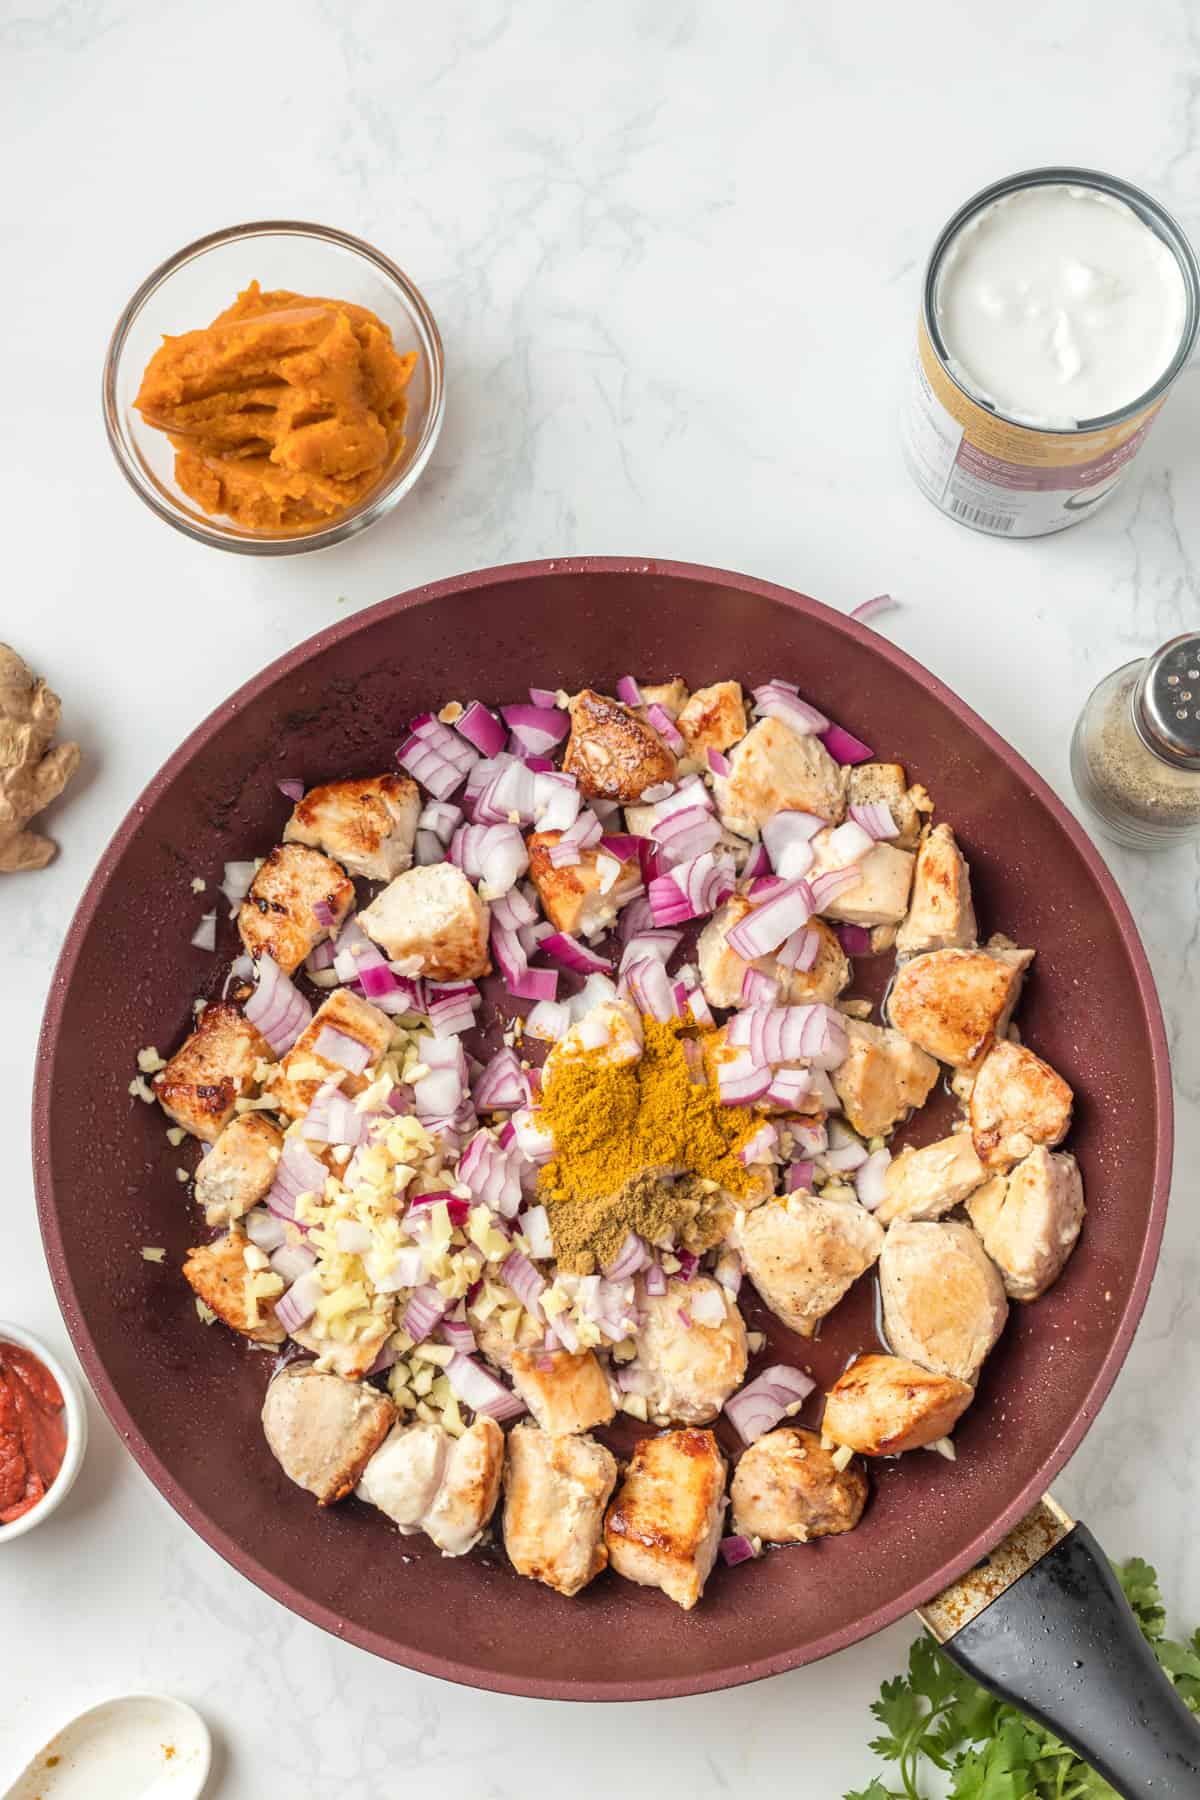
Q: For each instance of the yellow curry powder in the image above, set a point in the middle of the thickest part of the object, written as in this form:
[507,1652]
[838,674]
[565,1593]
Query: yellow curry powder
[284,412]
[614,1125]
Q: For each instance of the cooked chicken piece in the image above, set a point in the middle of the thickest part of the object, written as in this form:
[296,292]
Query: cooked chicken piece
[319,1052]
[353,1357]
[664,1526]
[882,1078]
[925,1183]
[672,694]
[432,920]
[1030,1222]
[955,1003]
[713,719]
[565,1393]
[555,1493]
[611,1032]
[467,1498]
[786,1489]
[883,1405]
[405,1475]
[943,1299]
[614,754]
[212,1069]
[805,1252]
[941,915]
[323,1430]
[239,1169]
[775,769]
[279,914]
[687,1365]
[369,826]
[498,1345]
[1017,1103]
[723,971]
[242,1298]
[879,896]
[582,898]
[425,1480]
[887,782]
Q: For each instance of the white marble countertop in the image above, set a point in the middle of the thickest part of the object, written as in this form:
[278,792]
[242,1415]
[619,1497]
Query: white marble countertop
[674,248]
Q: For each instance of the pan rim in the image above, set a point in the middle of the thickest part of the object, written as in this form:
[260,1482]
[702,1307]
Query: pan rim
[410,1656]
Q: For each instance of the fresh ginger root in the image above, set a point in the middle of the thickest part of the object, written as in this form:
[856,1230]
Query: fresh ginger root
[31,773]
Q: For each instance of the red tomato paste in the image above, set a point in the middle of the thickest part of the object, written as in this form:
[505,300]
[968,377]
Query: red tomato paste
[33,1432]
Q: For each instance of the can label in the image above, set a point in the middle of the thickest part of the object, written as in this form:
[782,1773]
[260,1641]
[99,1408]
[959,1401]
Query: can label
[1009,480]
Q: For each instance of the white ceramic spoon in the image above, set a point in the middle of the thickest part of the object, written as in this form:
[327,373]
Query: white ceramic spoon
[140,1747]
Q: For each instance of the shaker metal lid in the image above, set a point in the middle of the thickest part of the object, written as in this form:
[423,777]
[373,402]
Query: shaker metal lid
[1168,716]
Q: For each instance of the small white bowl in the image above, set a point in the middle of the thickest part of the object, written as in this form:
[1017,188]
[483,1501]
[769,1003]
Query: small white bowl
[77,1431]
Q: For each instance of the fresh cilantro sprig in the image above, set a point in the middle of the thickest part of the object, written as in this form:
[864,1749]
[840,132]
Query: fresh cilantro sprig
[937,1715]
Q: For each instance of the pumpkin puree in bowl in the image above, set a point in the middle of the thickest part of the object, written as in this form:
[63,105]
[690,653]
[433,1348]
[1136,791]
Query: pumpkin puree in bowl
[284,412]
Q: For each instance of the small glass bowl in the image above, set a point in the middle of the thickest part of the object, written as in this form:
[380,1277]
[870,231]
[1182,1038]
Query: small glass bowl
[188,291]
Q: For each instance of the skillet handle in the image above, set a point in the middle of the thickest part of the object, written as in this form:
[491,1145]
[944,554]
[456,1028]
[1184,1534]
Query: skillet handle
[1059,1640]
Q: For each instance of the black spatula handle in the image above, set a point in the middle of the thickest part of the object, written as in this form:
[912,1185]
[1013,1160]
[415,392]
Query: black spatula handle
[1062,1643]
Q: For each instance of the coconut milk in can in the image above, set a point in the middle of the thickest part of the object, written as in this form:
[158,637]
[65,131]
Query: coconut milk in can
[1058,308]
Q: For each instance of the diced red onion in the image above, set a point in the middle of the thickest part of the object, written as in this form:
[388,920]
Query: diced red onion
[699,1008]
[428,849]
[441,819]
[428,762]
[538,728]
[534,1225]
[292,788]
[810,1140]
[425,1310]
[549,1020]
[768,924]
[759,1148]
[297,1172]
[543,696]
[482,728]
[584,834]
[264,1229]
[875,818]
[295,1308]
[799,1175]
[320,957]
[406,1270]
[800,951]
[451,1008]
[828,887]
[761,1404]
[235,883]
[354,951]
[870,609]
[815,1033]
[740,1081]
[652,989]
[728,1271]
[332,1118]
[788,840]
[205,935]
[686,834]
[478,1388]
[759,989]
[849,843]
[503,1083]
[735,1550]
[524,1280]
[575,956]
[430,730]
[781,700]
[691,890]
[658,716]
[662,944]
[869,1180]
[844,747]
[633,1256]
[628,691]
[458,1335]
[276,1009]
[535,1142]
[855,939]
[655,1281]
[788,1087]
[719,763]
[338,1047]
[352,1237]
[845,1158]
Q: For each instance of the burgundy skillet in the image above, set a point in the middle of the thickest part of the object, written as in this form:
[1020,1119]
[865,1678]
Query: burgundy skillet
[186,1399]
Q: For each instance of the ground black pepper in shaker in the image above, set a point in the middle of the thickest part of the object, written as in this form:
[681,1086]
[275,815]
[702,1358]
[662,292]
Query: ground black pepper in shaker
[1135,756]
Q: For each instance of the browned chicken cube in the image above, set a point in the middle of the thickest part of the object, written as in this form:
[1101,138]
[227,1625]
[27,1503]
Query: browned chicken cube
[723,971]
[879,896]
[321,1051]
[368,825]
[673,695]
[211,1071]
[691,1351]
[803,1253]
[352,1357]
[239,1169]
[881,1078]
[943,1300]
[612,753]
[941,915]
[217,1272]
[787,1489]
[583,898]
[887,782]
[664,1526]
[956,1003]
[883,1405]
[925,1183]
[775,769]
[713,719]
[432,921]
[1017,1102]
[295,890]
[565,1392]
[426,1480]
[322,1430]
[1030,1221]
[555,1493]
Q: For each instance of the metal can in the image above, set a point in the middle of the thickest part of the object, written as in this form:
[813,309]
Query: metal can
[995,473]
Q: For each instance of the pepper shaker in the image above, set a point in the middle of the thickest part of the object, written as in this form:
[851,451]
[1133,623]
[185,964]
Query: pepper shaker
[1135,755]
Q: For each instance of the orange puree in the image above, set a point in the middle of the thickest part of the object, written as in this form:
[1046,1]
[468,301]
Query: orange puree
[284,412]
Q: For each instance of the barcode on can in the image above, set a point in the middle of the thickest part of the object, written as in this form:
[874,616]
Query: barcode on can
[978,515]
